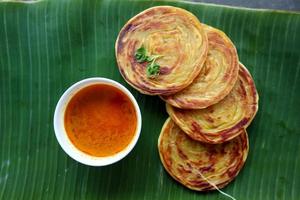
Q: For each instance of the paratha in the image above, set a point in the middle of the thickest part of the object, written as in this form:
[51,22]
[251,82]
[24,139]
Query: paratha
[217,77]
[172,34]
[222,121]
[198,165]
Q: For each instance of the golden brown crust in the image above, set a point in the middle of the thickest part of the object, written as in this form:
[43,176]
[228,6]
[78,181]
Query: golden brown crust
[217,77]
[172,32]
[222,121]
[188,161]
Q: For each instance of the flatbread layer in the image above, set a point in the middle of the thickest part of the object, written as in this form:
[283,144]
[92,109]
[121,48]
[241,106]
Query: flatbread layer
[174,35]
[216,79]
[222,121]
[198,165]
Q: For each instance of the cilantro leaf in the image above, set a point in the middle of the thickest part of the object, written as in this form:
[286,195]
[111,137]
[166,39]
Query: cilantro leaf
[141,55]
[152,70]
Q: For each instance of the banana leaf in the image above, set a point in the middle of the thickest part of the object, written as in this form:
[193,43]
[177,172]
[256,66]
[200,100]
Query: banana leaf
[48,45]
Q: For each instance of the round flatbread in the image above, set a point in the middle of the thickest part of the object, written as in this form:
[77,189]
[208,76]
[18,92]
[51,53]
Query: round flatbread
[222,121]
[174,37]
[200,166]
[217,77]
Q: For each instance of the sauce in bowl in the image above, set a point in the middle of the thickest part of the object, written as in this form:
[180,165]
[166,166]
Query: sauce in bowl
[100,120]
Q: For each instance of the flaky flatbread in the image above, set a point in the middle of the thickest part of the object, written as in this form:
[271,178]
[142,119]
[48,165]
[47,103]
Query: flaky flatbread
[222,121]
[217,77]
[200,166]
[173,34]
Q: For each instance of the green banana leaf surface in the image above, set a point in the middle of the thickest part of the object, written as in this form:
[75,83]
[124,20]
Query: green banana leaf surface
[47,46]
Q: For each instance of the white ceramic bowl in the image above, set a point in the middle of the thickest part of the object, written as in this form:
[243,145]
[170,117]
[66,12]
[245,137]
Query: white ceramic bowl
[63,138]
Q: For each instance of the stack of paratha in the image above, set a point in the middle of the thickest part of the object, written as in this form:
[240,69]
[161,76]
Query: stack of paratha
[210,96]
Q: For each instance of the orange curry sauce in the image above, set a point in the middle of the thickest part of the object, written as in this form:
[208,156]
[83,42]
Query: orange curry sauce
[100,120]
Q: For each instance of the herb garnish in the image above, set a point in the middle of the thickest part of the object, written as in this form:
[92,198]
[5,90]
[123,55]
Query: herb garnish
[152,69]
[141,56]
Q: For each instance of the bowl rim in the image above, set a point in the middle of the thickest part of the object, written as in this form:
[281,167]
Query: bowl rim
[61,134]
